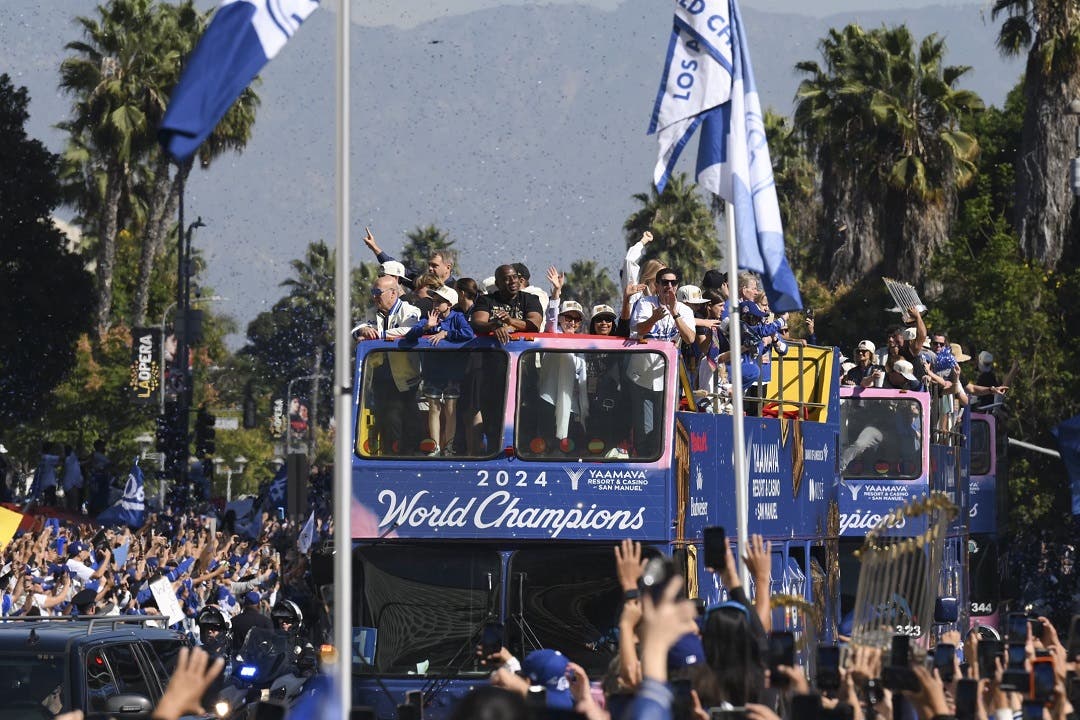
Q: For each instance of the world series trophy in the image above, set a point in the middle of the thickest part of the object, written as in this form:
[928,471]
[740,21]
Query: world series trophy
[904,295]
[899,575]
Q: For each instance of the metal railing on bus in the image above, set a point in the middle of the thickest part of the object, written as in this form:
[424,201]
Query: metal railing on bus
[787,396]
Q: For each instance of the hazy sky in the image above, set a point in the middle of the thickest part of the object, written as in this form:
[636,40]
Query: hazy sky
[406,13]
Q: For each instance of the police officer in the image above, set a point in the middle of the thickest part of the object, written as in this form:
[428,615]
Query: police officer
[214,630]
[288,618]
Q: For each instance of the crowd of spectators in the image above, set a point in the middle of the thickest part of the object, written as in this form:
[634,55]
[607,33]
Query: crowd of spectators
[682,660]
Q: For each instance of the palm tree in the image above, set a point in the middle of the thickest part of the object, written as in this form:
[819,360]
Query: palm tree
[108,77]
[589,285]
[890,167]
[683,230]
[121,75]
[1049,31]
[423,242]
[796,189]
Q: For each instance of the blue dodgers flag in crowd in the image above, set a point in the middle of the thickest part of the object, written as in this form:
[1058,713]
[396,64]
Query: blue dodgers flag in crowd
[131,509]
[708,81]
[243,36]
[1068,437]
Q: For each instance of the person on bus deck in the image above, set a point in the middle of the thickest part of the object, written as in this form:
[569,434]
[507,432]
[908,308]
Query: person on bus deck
[902,377]
[522,271]
[508,309]
[467,291]
[986,389]
[632,272]
[440,262]
[690,295]
[604,386]
[712,341]
[554,316]
[423,287]
[562,386]
[866,373]
[656,317]
[395,379]
[442,374]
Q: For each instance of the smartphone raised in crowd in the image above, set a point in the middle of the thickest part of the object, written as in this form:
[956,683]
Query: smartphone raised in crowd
[828,667]
[1017,628]
[1042,679]
[989,650]
[944,661]
[715,548]
[491,639]
[967,691]
[781,652]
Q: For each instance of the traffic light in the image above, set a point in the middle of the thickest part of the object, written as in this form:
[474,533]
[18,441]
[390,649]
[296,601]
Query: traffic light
[204,433]
[172,438]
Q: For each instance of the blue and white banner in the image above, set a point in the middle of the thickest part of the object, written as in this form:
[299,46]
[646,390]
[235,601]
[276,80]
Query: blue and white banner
[131,509]
[242,37]
[697,78]
[733,154]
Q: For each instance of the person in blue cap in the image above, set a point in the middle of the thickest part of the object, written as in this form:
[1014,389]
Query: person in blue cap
[547,668]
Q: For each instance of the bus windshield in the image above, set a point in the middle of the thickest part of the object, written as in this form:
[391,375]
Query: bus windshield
[421,402]
[590,404]
[428,604]
[881,438]
[568,599]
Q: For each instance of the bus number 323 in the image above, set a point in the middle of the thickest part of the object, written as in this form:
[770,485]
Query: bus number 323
[503,478]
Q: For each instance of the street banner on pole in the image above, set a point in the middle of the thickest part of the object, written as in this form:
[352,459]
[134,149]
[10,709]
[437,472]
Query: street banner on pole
[145,369]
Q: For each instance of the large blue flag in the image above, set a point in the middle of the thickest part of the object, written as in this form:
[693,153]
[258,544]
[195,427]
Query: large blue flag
[131,509]
[709,82]
[1068,437]
[243,36]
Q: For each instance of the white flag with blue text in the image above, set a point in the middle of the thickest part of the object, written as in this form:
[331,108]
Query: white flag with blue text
[697,77]
[242,37]
[733,154]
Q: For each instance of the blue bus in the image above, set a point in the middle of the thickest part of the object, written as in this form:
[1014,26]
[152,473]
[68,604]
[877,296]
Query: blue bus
[563,445]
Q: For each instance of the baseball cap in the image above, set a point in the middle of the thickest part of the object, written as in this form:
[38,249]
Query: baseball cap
[76,548]
[687,650]
[392,267]
[548,668]
[252,598]
[866,345]
[986,361]
[690,294]
[603,310]
[571,306]
[447,293]
[489,284]
[905,368]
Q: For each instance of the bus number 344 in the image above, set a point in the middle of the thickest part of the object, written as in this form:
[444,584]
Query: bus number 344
[503,478]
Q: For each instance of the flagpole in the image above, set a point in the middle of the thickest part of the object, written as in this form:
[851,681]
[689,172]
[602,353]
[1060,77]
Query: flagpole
[742,501]
[343,381]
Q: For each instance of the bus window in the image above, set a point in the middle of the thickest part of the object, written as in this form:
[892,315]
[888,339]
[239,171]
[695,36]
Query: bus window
[880,438]
[432,403]
[568,599]
[428,603]
[590,404]
[980,447]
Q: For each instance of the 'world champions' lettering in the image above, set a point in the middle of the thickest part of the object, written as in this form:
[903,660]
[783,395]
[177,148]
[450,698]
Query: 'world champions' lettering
[501,510]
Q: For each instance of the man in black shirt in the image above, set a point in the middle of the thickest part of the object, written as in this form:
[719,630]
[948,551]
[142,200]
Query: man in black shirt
[250,618]
[508,309]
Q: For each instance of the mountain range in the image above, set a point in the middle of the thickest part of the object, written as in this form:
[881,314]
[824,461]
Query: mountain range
[518,129]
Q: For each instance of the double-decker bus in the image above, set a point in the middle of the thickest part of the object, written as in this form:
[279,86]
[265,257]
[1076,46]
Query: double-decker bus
[564,445]
[898,446]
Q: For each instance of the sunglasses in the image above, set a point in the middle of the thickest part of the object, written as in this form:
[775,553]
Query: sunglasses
[376,292]
[669,282]
[937,344]
[571,319]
